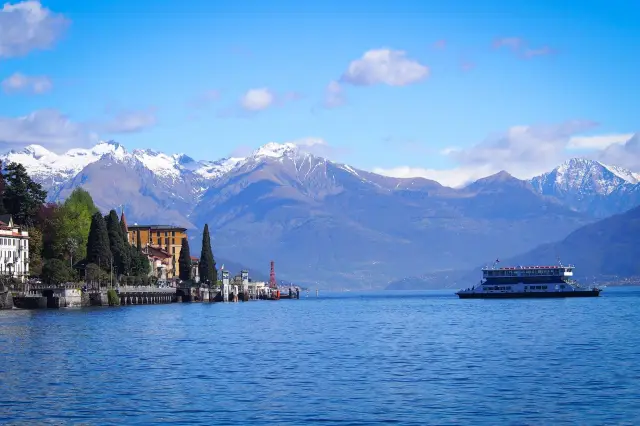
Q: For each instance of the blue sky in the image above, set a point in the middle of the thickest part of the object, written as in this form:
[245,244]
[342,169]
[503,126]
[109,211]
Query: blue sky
[458,81]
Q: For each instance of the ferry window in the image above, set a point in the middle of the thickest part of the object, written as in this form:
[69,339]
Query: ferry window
[561,285]
[544,287]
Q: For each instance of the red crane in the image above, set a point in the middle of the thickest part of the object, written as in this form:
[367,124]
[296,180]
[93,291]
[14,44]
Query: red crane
[275,294]
[272,276]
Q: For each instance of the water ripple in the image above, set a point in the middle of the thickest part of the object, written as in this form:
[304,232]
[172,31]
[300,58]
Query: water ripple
[393,358]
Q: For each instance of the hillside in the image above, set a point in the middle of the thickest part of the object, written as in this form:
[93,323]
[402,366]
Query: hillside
[603,251]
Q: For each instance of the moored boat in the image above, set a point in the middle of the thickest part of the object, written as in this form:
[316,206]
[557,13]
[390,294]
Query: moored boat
[528,282]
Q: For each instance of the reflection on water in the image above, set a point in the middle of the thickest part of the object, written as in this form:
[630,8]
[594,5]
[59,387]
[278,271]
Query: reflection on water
[359,358]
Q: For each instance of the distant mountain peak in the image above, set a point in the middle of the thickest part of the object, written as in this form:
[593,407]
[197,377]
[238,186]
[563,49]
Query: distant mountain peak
[37,151]
[275,150]
[501,176]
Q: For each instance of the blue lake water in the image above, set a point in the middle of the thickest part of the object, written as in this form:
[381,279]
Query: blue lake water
[348,358]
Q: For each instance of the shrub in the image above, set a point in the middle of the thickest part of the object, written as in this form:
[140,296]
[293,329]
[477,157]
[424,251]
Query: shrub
[113,298]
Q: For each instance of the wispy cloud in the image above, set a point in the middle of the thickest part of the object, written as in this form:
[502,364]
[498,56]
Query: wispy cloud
[334,95]
[20,83]
[47,127]
[440,44]
[128,121]
[520,47]
[527,151]
[384,66]
[27,26]
[543,51]
[509,42]
[598,141]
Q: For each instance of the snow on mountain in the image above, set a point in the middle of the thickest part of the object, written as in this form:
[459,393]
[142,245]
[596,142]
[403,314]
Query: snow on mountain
[53,169]
[275,150]
[214,169]
[584,177]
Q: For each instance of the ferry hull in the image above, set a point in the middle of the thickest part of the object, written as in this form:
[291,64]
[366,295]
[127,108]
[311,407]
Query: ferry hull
[530,295]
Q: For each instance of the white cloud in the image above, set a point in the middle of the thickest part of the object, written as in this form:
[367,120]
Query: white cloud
[597,142]
[526,151]
[48,128]
[19,82]
[129,122]
[384,66]
[318,146]
[334,95]
[449,177]
[26,26]
[257,99]
[625,155]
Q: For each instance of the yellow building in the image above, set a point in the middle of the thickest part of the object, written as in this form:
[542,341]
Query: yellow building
[164,237]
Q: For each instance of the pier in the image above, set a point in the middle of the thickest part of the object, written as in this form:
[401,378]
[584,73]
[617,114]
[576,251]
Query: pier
[77,295]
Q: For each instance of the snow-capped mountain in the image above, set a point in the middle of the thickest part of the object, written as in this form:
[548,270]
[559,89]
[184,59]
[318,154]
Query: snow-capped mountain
[328,221]
[584,177]
[52,169]
[589,185]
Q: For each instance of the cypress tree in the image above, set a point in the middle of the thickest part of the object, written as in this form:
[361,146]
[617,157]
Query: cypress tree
[126,251]
[2,184]
[115,242]
[98,248]
[184,261]
[138,241]
[207,265]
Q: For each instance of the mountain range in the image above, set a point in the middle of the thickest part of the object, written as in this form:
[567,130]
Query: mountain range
[327,224]
[605,251]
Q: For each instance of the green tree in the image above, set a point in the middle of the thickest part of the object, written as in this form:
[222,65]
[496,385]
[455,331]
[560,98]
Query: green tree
[98,248]
[207,265]
[22,197]
[56,271]
[35,251]
[2,187]
[139,263]
[184,261]
[71,224]
[118,249]
[126,249]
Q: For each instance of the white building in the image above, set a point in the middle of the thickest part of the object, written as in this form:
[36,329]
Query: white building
[14,249]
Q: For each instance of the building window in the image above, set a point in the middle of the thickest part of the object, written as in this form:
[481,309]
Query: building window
[173,240]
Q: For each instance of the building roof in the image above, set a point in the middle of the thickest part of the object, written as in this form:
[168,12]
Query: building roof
[157,252]
[157,227]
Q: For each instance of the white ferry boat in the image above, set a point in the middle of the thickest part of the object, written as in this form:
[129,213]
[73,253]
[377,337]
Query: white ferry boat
[528,282]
